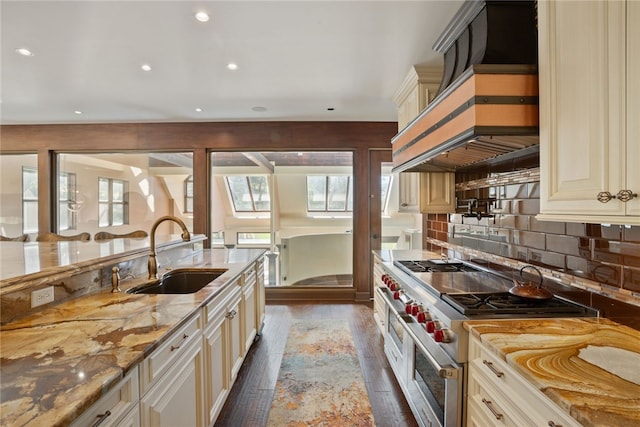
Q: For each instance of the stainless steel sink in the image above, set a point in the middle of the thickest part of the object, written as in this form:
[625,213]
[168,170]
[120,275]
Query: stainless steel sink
[180,281]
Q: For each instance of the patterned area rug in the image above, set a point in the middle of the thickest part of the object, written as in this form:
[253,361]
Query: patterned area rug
[320,382]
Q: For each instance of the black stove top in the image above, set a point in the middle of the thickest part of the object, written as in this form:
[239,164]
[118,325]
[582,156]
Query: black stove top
[505,303]
[434,266]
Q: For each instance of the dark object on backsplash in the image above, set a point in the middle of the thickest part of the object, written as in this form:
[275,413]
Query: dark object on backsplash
[476,208]
[529,290]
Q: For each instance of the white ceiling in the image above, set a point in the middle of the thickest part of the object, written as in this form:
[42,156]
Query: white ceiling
[296,59]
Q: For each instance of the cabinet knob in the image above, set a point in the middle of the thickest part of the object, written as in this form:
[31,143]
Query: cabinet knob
[623,196]
[605,196]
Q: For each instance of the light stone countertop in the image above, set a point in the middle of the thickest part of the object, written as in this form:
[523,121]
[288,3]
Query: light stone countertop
[589,367]
[55,363]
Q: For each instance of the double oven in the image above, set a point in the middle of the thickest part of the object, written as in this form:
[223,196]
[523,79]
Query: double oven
[425,303]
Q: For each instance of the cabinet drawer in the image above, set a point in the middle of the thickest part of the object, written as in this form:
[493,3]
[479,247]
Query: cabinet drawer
[492,405]
[221,300]
[534,405]
[155,365]
[114,406]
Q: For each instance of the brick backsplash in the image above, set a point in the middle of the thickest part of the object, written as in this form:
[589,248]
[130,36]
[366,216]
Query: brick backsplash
[607,256]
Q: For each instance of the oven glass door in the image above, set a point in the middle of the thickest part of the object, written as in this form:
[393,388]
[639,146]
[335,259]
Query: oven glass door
[432,386]
[395,330]
[441,392]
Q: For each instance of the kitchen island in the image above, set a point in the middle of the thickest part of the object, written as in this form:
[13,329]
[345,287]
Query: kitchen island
[56,363]
[588,367]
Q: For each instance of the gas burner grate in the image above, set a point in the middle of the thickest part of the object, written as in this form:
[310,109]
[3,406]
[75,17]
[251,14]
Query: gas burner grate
[505,303]
[428,266]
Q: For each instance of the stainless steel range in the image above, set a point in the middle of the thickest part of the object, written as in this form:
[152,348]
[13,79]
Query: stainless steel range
[427,302]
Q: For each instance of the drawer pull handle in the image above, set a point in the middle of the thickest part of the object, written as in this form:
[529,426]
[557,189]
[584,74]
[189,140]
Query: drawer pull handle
[175,347]
[231,314]
[489,405]
[494,370]
[101,418]
[552,424]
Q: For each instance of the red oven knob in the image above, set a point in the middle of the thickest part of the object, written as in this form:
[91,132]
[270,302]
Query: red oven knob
[396,295]
[407,307]
[424,316]
[415,309]
[432,326]
[442,335]
[393,285]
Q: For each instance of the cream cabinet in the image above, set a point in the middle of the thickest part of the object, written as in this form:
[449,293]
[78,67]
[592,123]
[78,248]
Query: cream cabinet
[409,192]
[119,407]
[172,381]
[249,308]
[437,192]
[416,91]
[589,109]
[221,338]
[498,396]
[260,294]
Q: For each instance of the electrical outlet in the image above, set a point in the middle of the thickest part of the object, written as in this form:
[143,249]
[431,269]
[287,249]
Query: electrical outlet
[41,296]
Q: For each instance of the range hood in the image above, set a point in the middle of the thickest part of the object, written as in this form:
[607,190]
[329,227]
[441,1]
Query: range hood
[487,106]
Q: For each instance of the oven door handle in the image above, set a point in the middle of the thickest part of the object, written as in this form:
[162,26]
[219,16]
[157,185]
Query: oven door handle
[447,372]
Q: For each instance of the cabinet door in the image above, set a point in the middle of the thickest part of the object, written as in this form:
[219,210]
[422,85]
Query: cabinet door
[249,310]
[236,344]
[216,366]
[437,192]
[177,398]
[633,105]
[260,295]
[409,192]
[582,106]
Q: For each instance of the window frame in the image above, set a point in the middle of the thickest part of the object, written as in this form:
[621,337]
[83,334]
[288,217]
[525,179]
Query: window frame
[71,213]
[29,201]
[111,204]
[251,194]
[188,195]
[348,201]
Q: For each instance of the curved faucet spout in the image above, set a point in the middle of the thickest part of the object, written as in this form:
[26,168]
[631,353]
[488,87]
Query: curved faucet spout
[186,236]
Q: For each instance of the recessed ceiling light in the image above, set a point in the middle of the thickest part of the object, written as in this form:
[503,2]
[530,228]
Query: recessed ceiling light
[24,51]
[232,66]
[259,108]
[202,16]
[198,110]
[78,112]
[146,67]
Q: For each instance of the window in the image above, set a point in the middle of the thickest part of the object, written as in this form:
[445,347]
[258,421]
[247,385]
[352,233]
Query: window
[188,194]
[329,193]
[254,238]
[113,206]
[217,238]
[249,193]
[29,200]
[385,184]
[67,204]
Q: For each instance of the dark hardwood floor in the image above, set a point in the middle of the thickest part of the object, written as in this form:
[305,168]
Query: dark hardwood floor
[250,398]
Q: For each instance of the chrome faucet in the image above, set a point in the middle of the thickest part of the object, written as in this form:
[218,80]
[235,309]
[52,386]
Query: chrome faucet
[186,236]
